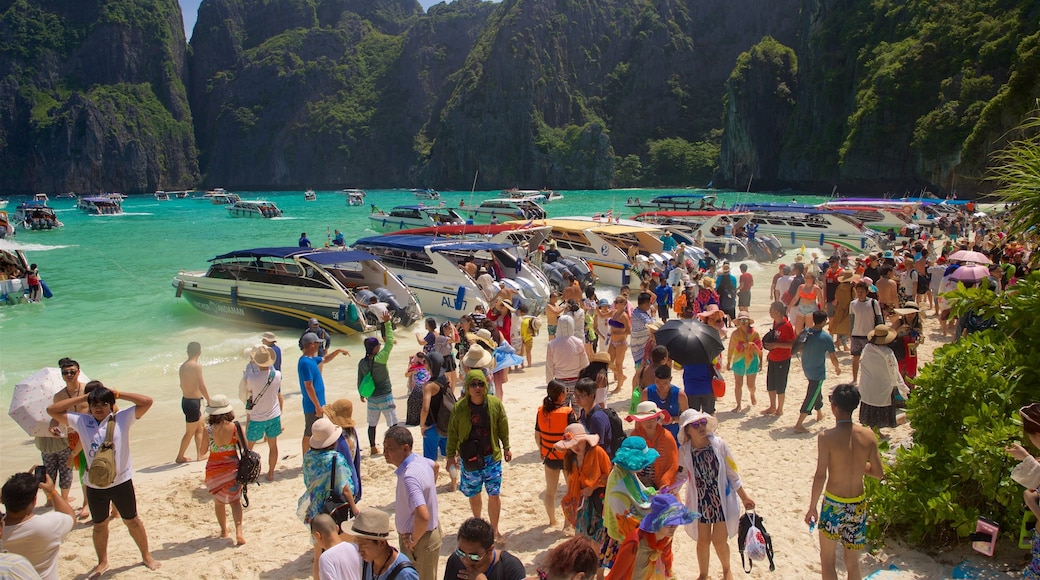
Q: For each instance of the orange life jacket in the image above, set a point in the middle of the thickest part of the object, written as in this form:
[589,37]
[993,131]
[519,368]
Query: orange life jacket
[551,429]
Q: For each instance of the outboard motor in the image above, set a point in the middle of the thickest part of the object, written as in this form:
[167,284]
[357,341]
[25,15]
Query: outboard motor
[554,273]
[581,273]
[398,314]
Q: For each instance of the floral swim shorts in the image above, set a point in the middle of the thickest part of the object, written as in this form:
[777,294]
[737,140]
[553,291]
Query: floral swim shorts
[844,520]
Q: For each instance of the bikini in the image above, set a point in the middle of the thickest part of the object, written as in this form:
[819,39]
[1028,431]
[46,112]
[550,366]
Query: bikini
[807,309]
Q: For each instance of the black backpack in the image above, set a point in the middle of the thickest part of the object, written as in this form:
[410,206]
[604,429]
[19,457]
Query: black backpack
[799,342]
[617,429]
[745,526]
[447,405]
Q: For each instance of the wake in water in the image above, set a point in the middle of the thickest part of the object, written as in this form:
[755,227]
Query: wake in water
[115,215]
[285,218]
[12,245]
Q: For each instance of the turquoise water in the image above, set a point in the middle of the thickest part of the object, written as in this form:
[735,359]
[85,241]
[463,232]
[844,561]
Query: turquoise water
[114,308]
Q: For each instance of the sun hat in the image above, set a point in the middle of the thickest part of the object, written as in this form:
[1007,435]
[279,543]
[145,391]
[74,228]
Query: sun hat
[308,338]
[709,311]
[482,336]
[666,510]
[692,415]
[848,276]
[262,355]
[889,255]
[574,433]
[799,257]
[371,524]
[269,337]
[908,308]
[745,316]
[882,333]
[324,433]
[341,413]
[600,357]
[634,455]
[218,405]
[648,410]
[477,357]
[603,302]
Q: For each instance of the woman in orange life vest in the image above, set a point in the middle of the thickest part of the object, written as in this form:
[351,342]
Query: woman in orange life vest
[553,418]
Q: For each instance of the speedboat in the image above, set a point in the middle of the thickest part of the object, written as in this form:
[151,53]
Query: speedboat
[13,284]
[535,195]
[180,194]
[426,194]
[880,215]
[355,197]
[66,195]
[309,195]
[501,210]
[675,202]
[288,286]
[161,196]
[250,208]
[220,197]
[406,217]
[36,215]
[3,203]
[721,232]
[42,198]
[6,229]
[803,225]
[433,268]
[100,205]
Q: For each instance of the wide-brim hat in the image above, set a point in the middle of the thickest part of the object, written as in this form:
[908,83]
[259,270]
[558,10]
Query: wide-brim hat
[691,416]
[600,357]
[218,405]
[881,334]
[477,357]
[262,355]
[371,524]
[848,276]
[341,413]
[666,510]
[324,433]
[709,311]
[745,316]
[634,454]
[648,410]
[1030,417]
[269,336]
[573,434]
[908,308]
[482,336]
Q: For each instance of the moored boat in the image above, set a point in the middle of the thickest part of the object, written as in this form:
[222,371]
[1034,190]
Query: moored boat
[6,228]
[405,217]
[219,196]
[355,197]
[252,208]
[288,286]
[500,210]
[309,195]
[426,193]
[161,195]
[674,202]
[42,198]
[100,205]
[799,225]
[721,232]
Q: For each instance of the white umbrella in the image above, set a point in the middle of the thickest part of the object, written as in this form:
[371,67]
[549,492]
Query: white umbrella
[31,398]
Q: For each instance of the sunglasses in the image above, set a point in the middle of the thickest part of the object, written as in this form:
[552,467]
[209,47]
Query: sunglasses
[471,557]
[699,423]
[480,384]
[69,373]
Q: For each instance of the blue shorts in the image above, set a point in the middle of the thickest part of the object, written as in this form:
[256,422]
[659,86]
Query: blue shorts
[490,476]
[270,428]
[432,443]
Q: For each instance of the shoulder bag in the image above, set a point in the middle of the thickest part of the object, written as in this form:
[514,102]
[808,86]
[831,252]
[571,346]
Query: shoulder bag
[103,468]
[248,465]
[335,505]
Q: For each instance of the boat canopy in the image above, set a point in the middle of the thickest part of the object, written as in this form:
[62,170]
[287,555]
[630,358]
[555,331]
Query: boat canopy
[682,213]
[323,258]
[416,243]
[779,208]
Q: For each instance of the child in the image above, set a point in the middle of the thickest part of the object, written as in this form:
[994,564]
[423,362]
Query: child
[529,326]
[444,346]
[1027,473]
[646,552]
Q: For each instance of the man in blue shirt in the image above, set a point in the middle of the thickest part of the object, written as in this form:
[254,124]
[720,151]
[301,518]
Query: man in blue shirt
[668,243]
[818,347]
[664,297]
[304,242]
[338,240]
[312,386]
[598,423]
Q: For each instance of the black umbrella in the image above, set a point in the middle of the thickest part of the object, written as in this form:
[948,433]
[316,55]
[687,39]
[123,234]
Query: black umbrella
[689,341]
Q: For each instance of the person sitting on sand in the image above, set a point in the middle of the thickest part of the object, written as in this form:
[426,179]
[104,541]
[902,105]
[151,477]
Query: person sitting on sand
[847,452]
[92,429]
[475,555]
[193,389]
[222,465]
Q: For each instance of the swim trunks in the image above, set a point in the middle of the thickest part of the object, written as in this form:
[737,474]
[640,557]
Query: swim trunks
[192,409]
[552,329]
[270,428]
[844,520]
[490,476]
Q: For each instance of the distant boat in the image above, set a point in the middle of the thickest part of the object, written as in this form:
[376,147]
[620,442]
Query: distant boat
[254,209]
[405,217]
[503,210]
[309,195]
[426,194]
[355,196]
[66,195]
[35,215]
[6,229]
[162,196]
[180,194]
[41,197]
[3,203]
[219,196]
[101,205]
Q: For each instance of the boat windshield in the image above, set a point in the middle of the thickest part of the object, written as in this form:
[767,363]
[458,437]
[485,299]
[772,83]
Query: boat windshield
[394,259]
[268,271]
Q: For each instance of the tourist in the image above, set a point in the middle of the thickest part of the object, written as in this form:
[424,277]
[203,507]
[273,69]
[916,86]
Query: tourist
[269,339]
[93,429]
[371,531]
[415,509]
[650,425]
[478,357]
[334,559]
[706,295]
[324,339]
[428,341]
[570,560]
[505,359]
[222,466]
[303,242]
[57,450]
[817,348]
[840,325]
[888,289]
[446,341]
[865,313]
[744,284]
[726,286]
[338,239]
[1027,473]
[778,342]
[478,437]
[620,327]
[593,417]
[880,377]
[312,384]
[666,396]
[553,310]
[322,466]
[627,499]
[381,398]
[565,356]
[808,298]
[529,327]
[552,419]
[847,453]
[646,554]
[598,369]
[38,537]
[476,557]
[715,318]
[264,403]
[603,312]
[433,393]
[341,413]
[713,488]
[744,358]
[909,335]
[640,331]
[193,390]
[664,298]
[587,467]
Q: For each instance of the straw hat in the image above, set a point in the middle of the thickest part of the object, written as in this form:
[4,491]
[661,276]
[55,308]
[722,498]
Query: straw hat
[848,276]
[324,433]
[745,316]
[476,357]
[692,416]
[600,357]
[634,455]
[648,410]
[482,336]
[262,355]
[881,334]
[709,311]
[908,308]
[574,433]
[371,524]
[269,337]
[341,413]
[219,405]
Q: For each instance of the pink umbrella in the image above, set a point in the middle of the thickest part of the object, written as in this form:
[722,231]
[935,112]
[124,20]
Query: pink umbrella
[970,273]
[31,398]
[969,256]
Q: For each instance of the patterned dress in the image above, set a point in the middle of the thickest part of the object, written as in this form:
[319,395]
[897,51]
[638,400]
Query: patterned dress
[222,470]
[706,470]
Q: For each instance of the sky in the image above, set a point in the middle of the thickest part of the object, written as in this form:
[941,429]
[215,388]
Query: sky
[190,9]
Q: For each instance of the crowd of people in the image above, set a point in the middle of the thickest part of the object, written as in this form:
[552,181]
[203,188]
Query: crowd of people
[632,478]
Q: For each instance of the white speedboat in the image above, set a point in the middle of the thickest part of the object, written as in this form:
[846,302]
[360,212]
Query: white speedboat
[501,210]
[220,197]
[674,202]
[535,195]
[180,194]
[432,267]
[3,203]
[309,195]
[406,217]
[721,232]
[288,286]
[15,285]
[801,225]
[161,196]
[880,215]
[42,198]
[6,227]
[100,205]
[355,197]
[66,195]
[251,208]
[36,215]
[426,194]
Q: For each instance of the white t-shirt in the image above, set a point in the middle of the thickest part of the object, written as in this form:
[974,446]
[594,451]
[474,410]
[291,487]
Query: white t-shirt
[266,407]
[38,539]
[93,434]
[863,313]
[340,562]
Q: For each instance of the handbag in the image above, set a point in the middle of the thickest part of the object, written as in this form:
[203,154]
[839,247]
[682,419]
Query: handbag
[367,386]
[103,468]
[718,384]
[249,400]
[470,452]
[334,504]
[248,465]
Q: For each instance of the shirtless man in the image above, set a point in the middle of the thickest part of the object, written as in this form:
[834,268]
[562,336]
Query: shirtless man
[571,288]
[194,390]
[888,292]
[847,452]
[552,313]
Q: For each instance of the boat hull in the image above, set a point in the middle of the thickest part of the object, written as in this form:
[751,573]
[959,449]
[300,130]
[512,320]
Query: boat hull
[437,297]
[794,240]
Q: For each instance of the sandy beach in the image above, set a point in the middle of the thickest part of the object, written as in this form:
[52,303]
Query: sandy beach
[776,465]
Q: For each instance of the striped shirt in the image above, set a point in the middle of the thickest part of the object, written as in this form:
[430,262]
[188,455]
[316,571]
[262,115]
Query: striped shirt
[416,486]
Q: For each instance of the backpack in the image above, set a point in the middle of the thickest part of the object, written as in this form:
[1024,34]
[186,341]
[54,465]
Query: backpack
[799,342]
[976,323]
[754,541]
[248,465]
[617,429]
[447,405]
